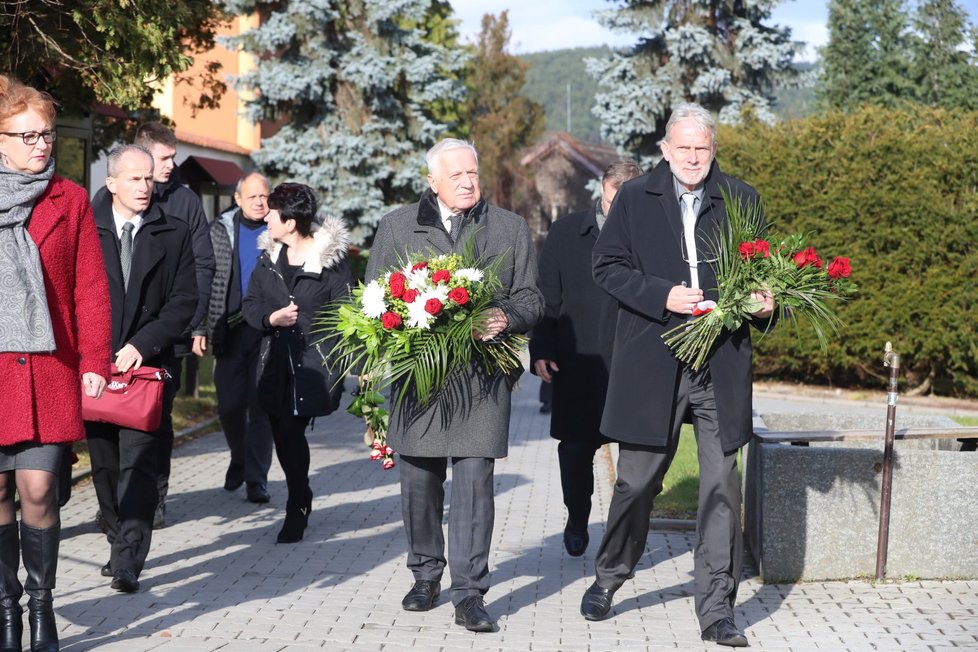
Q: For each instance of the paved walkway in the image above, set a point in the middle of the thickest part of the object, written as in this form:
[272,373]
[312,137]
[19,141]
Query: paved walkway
[216,580]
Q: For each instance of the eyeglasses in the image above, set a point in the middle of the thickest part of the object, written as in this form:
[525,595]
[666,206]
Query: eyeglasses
[702,256]
[31,137]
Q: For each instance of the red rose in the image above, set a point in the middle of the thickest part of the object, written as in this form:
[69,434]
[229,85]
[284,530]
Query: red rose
[376,456]
[807,257]
[422,265]
[432,306]
[762,247]
[390,320]
[396,284]
[409,296]
[746,250]
[388,465]
[441,276]
[459,296]
[839,268]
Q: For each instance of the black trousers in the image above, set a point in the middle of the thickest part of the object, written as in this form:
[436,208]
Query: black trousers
[246,426]
[470,520]
[576,460]
[292,450]
[125,473]
[719,552]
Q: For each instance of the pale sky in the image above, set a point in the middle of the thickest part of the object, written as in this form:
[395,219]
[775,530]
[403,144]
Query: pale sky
[539,25]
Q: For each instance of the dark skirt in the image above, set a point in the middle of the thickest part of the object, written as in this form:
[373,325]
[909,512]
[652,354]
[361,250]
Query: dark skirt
[31,455]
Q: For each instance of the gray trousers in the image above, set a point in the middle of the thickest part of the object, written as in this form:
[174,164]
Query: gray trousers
[719,550]
[470,520]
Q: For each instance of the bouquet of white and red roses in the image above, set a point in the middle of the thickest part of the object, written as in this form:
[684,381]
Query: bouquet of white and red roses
[748,260]
[413,327]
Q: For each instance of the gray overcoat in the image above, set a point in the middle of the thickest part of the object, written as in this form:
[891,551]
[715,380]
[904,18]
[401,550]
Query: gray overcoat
[470,417]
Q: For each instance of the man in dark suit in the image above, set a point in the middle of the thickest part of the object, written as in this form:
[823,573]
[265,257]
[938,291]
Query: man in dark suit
[153,291]
[180,203]
[235,344]
[571,348]
[655,257]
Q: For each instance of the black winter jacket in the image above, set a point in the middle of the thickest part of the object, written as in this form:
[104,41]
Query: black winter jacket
[293,373]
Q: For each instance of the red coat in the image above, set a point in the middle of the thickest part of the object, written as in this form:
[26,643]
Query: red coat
[41,392]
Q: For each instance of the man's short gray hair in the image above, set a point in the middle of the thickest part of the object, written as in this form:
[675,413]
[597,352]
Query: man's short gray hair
[447,145]
[117,152]
[237,187]
[688,110]
[621,171]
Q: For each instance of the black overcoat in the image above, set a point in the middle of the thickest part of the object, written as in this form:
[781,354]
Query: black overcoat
[638,259]
[577,330]
[162,293]
[294,366]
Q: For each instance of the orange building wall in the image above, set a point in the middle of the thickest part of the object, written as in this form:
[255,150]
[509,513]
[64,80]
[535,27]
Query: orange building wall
[223,128]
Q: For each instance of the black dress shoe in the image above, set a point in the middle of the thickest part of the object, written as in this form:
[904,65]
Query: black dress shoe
[422,596]
[233,479]
[124,580]
[472,615]
[575,541]
[257,493]
[106,571]
[597,602]
[725,632]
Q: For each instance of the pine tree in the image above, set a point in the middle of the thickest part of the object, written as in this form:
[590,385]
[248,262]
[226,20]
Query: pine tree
[359,89]
[944,70]
[719,53]
[867,58]
[501,120]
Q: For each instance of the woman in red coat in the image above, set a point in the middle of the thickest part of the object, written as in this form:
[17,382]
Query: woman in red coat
[54,344]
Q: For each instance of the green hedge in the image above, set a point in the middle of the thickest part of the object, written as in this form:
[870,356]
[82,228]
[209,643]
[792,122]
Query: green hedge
[897,192]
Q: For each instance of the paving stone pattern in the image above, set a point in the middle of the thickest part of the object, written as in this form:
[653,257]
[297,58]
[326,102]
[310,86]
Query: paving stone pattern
[216,580]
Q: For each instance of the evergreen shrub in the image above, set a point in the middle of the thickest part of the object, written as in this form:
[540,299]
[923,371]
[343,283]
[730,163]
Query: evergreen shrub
[895,190]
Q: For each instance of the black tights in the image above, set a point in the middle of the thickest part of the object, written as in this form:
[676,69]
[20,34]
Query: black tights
[38,497]
[292,450]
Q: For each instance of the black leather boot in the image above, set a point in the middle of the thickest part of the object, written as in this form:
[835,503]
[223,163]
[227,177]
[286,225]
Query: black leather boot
[11,613]
[39,549]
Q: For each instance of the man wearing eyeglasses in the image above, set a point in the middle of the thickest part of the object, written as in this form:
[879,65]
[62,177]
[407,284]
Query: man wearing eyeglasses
[654,256]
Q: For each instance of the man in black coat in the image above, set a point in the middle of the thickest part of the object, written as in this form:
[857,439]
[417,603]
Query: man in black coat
[571,348]
[655,257]
[234,343]
[153,299]
[178,202]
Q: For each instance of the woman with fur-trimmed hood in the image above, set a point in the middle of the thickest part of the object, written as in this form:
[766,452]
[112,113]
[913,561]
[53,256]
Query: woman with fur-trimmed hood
[303,267]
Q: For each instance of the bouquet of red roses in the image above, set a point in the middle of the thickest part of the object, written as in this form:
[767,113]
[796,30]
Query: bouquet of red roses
[748,260]
[413,328]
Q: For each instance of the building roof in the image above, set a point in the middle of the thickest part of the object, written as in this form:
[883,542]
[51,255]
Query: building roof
[594,158]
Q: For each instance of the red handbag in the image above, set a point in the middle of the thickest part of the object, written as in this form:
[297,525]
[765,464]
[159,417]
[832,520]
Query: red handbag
[132,399]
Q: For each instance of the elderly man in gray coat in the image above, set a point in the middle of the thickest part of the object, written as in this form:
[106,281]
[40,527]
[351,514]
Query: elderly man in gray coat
[469,420]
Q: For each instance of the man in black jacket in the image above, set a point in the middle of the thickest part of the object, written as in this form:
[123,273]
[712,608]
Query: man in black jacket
[153,292]
[234,343]
[656,257]
[571,348]
[178,202]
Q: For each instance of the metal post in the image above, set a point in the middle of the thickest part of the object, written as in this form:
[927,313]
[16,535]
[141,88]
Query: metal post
[891,359]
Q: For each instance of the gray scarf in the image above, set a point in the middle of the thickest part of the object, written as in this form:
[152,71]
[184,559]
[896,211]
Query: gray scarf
[25,323]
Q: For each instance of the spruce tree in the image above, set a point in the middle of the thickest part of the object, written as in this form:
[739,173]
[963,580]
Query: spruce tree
[944,70]
[867,58]
[501,120]
[719,53]
[359,90]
